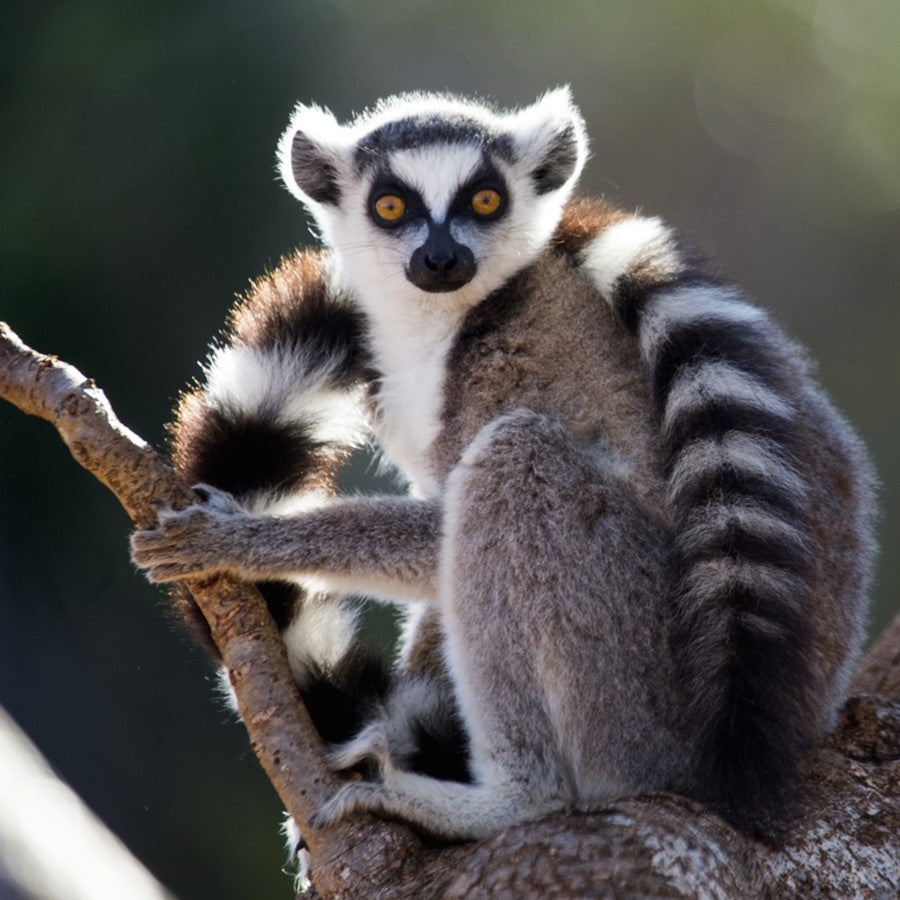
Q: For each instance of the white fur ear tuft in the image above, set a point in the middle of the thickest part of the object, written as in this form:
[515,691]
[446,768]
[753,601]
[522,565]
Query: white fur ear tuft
[311,155]
[551,140]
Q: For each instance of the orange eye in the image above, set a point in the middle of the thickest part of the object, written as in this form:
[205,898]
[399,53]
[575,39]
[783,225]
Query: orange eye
[390,207]
[486,202]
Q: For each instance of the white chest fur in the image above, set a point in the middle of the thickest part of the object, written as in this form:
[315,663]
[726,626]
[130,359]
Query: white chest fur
[411,351]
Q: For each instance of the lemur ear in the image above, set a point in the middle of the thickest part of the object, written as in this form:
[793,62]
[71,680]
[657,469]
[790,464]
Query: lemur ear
[311,155]
[550,140]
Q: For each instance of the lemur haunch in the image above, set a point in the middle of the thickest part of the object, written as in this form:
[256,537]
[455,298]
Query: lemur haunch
[637,535]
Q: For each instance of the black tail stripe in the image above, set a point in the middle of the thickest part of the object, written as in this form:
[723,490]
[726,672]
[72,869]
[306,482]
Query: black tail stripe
[726,483]
[325,334]
[716,419]
[629,299]
[765,604]
[737,541]
[632,293]
[281,598]
[339,699]
[741,344]
[246,454]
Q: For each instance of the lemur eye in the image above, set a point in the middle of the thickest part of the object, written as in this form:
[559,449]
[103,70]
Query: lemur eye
[389,207]
[486,202]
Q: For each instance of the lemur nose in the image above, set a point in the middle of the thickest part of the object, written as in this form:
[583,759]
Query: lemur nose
[441,262]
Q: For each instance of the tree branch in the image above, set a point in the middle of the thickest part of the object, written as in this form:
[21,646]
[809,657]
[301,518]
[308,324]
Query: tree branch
[659,844]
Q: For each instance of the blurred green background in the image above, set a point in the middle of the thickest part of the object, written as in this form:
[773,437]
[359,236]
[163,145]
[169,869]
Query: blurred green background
[138,196]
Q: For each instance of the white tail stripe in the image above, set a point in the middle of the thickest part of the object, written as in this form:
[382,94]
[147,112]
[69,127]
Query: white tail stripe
[320,634]
[333,416]
[264,503]
[244,380]
[248,379]
[635,246]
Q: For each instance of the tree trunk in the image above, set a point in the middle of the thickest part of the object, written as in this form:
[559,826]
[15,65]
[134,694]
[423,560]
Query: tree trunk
[661,845]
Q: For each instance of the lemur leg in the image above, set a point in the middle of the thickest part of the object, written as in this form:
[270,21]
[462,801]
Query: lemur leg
[546,563]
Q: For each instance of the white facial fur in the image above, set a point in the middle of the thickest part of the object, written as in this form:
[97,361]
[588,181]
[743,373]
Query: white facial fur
[374,262]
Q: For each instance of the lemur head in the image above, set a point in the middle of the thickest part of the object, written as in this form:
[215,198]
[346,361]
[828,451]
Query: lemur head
[432,196]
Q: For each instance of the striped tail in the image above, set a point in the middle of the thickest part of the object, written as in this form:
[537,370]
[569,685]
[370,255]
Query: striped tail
[741,559]
[278,411]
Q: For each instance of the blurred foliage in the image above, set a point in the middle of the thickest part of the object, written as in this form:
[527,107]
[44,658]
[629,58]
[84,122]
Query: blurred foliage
[138,196]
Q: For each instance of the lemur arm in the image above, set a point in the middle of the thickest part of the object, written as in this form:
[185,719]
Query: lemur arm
[386,545]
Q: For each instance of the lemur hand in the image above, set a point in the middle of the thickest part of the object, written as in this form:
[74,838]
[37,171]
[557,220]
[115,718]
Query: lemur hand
[194,542]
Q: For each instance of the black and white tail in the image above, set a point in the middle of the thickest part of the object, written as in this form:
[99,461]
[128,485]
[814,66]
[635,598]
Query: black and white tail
[279,409]
[724,387]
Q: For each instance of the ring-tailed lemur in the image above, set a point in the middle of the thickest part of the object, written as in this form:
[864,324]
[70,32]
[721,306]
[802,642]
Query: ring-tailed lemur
[639,531]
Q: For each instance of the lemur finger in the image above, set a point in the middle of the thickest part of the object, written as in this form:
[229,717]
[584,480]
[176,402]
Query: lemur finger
[143,543]
[150,547]
[165,512]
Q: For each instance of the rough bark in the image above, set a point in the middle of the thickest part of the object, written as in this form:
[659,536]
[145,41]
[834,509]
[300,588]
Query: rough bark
[659,845]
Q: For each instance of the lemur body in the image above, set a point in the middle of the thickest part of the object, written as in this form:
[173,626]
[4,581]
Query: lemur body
[639,531]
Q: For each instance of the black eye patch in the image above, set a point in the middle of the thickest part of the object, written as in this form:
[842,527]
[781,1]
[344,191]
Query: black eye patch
[486,181]
[389,195]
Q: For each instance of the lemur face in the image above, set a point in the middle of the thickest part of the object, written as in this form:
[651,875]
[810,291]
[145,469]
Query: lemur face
[429,200]
[443,234]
